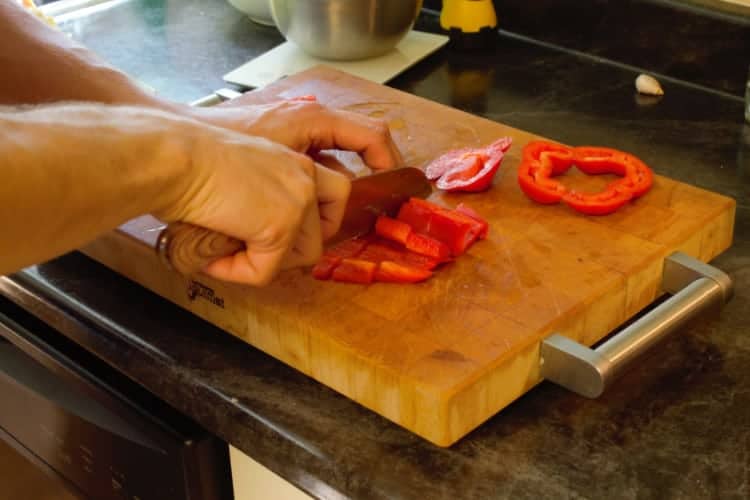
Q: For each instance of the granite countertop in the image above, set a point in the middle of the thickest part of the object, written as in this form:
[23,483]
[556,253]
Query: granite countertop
[676,426]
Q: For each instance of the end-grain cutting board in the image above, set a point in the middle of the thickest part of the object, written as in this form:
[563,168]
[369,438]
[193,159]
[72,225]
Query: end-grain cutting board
[441,357]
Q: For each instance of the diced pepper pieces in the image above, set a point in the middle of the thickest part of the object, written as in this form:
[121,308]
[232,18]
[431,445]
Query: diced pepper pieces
[416,214]
[354,271]
[325,266]
[454,230]
[347,249]
[426,245]
[470,212]
[392,229]
[458,231]
[381,249]
[393,272]
[399,254]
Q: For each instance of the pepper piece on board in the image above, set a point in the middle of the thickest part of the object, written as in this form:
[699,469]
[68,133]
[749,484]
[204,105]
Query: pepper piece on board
[347,249]
[538,186]
[393,272]
[392,229]
[604,203]
[542,160]
[354,271]
[325,266]
[484,227]
[426,245]
[468,169]
[380,250]
[458,231]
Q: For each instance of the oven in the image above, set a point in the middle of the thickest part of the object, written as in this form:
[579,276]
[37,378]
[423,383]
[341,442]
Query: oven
[96,434]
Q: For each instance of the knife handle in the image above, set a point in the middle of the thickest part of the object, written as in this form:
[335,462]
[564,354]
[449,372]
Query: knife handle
[188,249]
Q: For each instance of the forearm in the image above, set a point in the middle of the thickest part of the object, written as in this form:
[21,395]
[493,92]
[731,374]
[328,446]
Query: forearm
[41,65]
[71,172]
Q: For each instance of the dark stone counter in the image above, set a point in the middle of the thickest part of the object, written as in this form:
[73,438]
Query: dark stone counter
[677,426]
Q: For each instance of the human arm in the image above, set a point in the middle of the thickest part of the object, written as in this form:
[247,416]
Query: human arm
[71,172]
[42,65]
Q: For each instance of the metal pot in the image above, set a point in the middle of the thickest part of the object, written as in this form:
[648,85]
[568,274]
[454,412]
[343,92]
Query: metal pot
[345,29]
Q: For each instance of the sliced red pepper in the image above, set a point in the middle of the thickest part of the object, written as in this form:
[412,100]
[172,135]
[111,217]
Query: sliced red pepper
[641,180]
[539,188]
[470,212]
[381,249]
[603,203]
[377,258]
[468,169]
[457,231]
[393,272]
[354,271]
[637,177]
[559,156]
[425,245]
[325,266]
[393,229]
[443,163]
[596,160]
[347,249]
[541,160]
[416,214]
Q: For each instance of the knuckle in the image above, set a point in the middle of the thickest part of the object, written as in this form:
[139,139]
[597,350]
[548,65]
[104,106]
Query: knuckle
[380,128]
[306,164]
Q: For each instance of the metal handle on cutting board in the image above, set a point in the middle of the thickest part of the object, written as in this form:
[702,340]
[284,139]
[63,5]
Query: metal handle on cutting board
[696,287]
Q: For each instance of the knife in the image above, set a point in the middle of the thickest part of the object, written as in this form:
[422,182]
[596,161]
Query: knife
[188,249]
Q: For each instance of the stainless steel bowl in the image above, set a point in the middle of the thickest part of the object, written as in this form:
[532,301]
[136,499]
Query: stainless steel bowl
[345,29]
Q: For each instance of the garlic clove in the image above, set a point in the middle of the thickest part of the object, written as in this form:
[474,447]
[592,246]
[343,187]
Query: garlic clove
[646,84]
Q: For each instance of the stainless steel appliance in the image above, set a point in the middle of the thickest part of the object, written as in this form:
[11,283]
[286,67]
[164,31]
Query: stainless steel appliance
[98,434]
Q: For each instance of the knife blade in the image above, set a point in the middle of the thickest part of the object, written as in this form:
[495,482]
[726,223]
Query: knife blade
[188,249]
[376,194]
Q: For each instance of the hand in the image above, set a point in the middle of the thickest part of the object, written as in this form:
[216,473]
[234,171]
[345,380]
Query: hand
[308,127]
[279,202]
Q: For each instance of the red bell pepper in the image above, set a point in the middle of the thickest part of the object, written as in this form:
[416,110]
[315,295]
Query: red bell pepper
[603,203]
[542,160]
[393,229]
[416,215]
[379,250]
[536,184]
[470,212]
[428,246]
[468,169]
[354,271]
[325,266]
[347,249]
[458,231]
[393,272]
[397,252]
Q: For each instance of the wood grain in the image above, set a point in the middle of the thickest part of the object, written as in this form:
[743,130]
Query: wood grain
[442,356]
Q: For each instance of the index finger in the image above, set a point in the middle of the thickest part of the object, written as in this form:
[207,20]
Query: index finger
[367,136]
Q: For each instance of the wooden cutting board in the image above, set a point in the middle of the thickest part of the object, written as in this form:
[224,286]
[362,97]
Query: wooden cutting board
[441,357]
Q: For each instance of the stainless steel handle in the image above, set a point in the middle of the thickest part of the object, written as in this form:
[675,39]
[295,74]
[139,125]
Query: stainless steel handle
[696,288]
